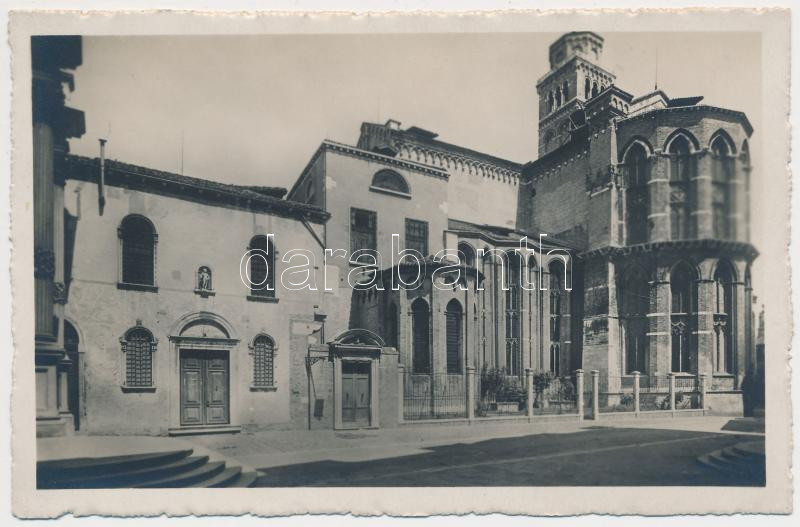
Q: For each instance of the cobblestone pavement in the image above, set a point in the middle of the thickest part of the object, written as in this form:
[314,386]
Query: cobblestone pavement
[661,452]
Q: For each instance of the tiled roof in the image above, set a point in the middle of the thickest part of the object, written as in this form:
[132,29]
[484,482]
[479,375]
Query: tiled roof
[262,199]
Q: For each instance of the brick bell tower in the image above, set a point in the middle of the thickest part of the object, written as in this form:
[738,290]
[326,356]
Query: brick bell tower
[575,77]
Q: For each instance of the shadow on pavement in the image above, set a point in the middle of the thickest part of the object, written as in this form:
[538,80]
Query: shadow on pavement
[745,424]
[591,457]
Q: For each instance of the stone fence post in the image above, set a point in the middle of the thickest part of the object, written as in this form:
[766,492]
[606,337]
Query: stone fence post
[702,387]
[529,393]
[470,392]
[579,389]
[401,383]
[672,391]
[636,375]
[595,395]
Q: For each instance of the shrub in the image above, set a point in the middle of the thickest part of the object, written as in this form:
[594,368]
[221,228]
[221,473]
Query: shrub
[627,399]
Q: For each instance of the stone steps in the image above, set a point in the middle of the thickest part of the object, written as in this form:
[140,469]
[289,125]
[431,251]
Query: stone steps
[155,470]
[743,461]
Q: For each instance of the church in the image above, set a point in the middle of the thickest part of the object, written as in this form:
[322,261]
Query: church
[623,248]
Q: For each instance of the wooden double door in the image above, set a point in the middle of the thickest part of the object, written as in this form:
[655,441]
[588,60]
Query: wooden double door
[205,387]
[356,396]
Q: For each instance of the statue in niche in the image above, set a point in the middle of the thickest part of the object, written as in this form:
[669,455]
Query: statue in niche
[204,278]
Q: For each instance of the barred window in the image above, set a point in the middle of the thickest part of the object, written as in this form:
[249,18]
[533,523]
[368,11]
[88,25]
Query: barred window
[263,362]
[262,267]
[417,236]
[138,238]
[138,347]
[363,233]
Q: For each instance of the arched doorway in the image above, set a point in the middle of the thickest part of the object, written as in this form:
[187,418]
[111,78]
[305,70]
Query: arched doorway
[203,343]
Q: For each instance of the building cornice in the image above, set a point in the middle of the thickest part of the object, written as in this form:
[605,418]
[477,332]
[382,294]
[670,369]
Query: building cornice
[685,247]
[153,181]
[653,114]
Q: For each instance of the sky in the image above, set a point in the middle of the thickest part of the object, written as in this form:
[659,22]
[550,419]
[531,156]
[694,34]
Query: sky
[253,109]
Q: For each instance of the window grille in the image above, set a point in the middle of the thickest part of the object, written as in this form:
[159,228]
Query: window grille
[417,236]
[363,231]
[263,362]
[138,347]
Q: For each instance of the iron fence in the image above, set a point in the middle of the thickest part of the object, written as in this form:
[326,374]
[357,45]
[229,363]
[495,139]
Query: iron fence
[434,396]
[559,397]
[499,397]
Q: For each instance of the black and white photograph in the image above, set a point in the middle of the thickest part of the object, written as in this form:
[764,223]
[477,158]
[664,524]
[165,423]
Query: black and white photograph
[415,260]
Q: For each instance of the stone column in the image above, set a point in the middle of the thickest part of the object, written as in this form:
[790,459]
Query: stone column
[595,395]
[529,390]
[636,391]
[470,393]
[579,394]
[738,333]
[701,208]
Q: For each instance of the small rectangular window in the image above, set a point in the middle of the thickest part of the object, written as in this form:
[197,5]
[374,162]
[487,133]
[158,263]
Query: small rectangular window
[417,236]
[363,232]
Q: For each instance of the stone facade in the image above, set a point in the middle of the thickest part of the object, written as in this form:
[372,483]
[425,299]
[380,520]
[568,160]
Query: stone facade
[634,257]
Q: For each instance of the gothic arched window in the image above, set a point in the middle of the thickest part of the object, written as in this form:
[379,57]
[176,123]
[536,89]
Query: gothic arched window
[263,351]
[466,254]
[138,240]
[138,347]
[682,317]
[558,301]
[594,89]
[420,329]
[721,189]
[681,170]
[513,318]
[453,325]
[262,267]
[565,89]
[723,318]
[637,194]
[587,89]
[635,305]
